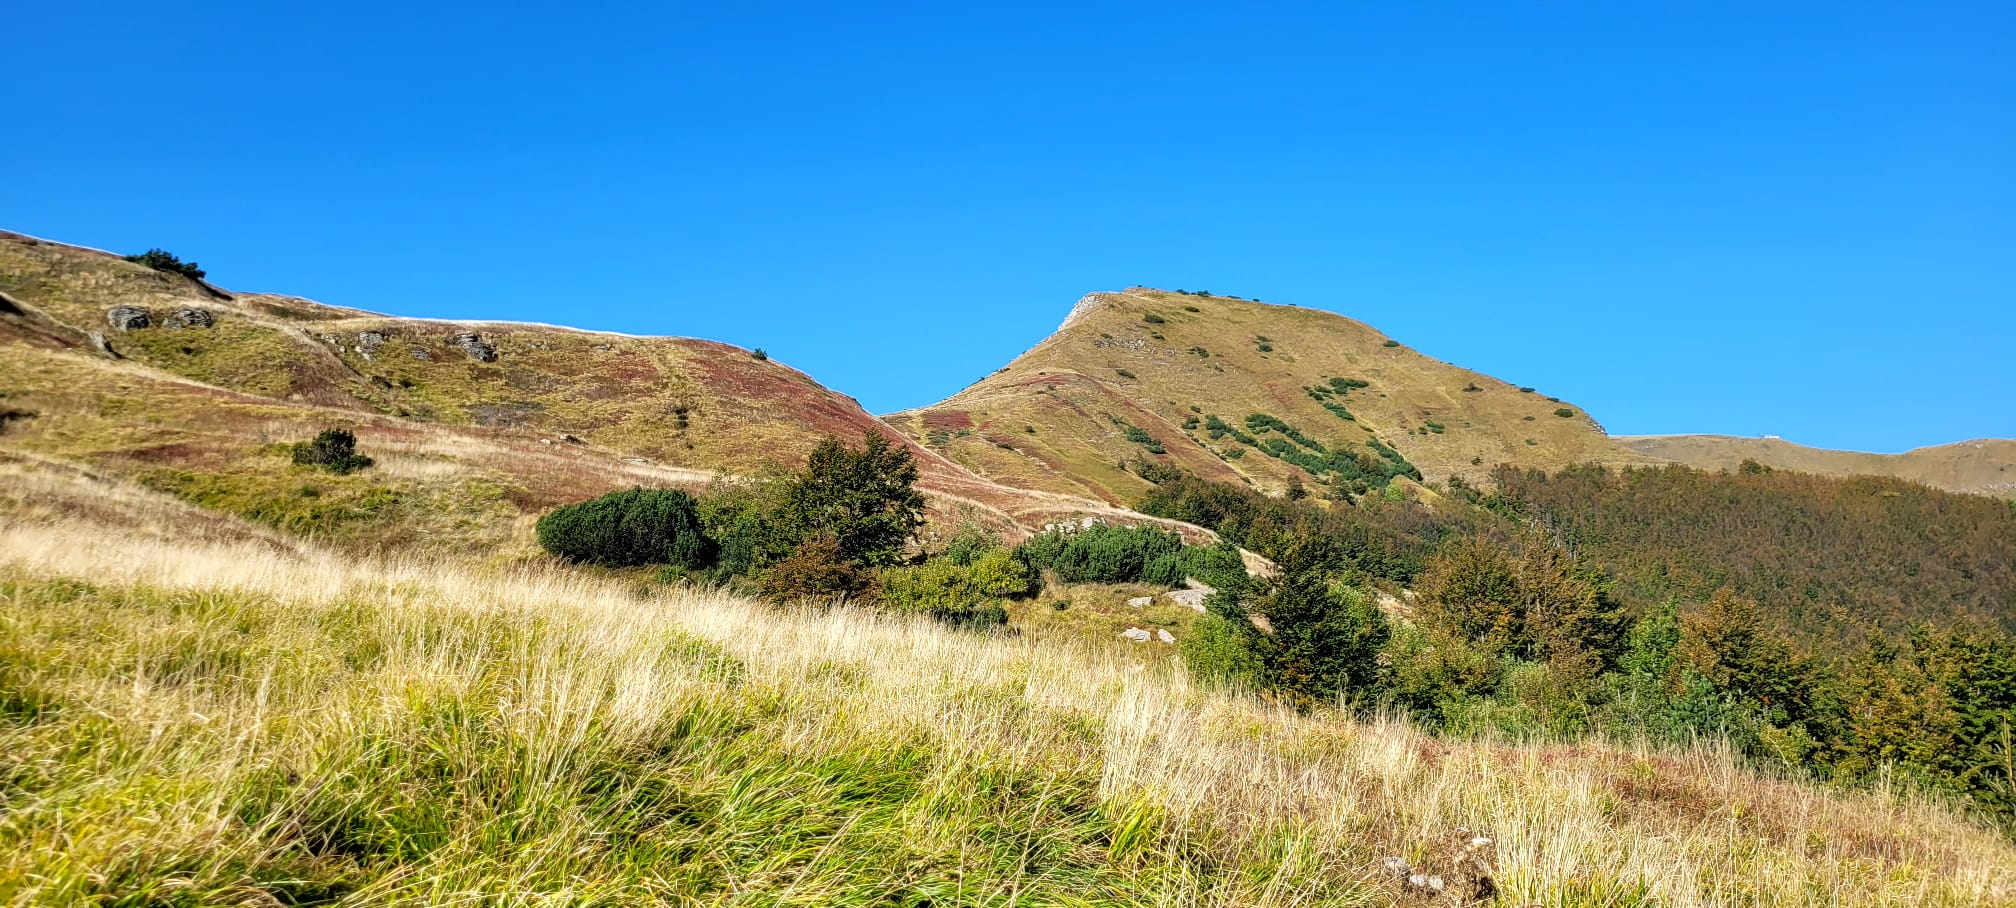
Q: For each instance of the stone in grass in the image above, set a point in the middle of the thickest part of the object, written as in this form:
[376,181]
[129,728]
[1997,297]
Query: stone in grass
[190,318]
[1136,634]
[1162,634]
[1141,601]
[473,344]
[1459,873]
[128,318]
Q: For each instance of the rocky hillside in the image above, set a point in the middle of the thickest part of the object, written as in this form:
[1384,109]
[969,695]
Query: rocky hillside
[114,365]
[1240,390]
[1985,466]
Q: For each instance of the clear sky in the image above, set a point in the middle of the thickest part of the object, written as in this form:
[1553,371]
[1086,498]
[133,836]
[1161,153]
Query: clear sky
[1685,217]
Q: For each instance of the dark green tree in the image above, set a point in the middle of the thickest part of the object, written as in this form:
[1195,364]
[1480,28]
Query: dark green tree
[1325,635]
[864,498]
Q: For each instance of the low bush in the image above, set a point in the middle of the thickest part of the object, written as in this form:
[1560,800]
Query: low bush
[1564,412]
[1100,554]
[1153,319]
[334,450]
[163,260]
[965,595]
[1391,343]
[817,569]
[630,529]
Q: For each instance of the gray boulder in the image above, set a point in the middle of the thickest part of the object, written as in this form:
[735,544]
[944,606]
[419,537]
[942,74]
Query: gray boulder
[190,318]
[128,318]
[474,345]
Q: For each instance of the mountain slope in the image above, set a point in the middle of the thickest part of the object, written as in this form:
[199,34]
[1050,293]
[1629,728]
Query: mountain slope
[1165,364]
[558,413]
[215,723]
[1985,466]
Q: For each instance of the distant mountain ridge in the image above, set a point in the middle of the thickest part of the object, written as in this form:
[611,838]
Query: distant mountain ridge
[1982,466]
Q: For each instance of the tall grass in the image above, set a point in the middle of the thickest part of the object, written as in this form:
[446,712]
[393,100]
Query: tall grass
[228,723]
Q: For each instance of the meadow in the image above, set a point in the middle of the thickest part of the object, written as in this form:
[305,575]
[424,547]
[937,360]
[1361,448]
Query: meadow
[217,719]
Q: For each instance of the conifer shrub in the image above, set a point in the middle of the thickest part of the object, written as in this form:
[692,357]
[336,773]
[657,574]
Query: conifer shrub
[1391,343]
[629,529]
[1564,412]
[163,260]
[1153,319]
[1100,554]
[334,450]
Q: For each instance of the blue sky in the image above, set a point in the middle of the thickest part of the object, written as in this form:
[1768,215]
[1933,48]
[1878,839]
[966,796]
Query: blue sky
[1690,218]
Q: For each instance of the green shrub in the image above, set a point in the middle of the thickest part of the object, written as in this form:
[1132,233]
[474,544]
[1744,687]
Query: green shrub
[334,450]
[817,569]
[1218,566]
[1191,309]
[969,543]
[163,260]
[966,595]
[1527,390]
[1266,348]
[759,354]
[1392,343]
[628,529]
[1222,652]
[1564,412]
[1123,373]
[1153,319]
[1099,554]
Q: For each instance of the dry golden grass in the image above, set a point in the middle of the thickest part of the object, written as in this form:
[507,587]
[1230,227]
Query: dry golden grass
[220,722]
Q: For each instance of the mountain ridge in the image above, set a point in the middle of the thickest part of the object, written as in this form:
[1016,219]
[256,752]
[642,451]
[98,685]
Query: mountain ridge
[1981,466]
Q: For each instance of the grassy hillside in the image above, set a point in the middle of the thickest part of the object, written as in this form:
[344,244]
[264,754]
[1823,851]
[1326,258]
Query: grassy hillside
[1142,369]
[1984,466]
[525,415]
[202,721]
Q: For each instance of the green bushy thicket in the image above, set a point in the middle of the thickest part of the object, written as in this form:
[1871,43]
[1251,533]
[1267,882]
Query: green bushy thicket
[629,529]
[1677,616]
[966,594]
[334,450]
[1106,554]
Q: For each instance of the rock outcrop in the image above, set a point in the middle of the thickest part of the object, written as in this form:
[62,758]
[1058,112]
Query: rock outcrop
[190,318]
[128,318]
[473,344]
